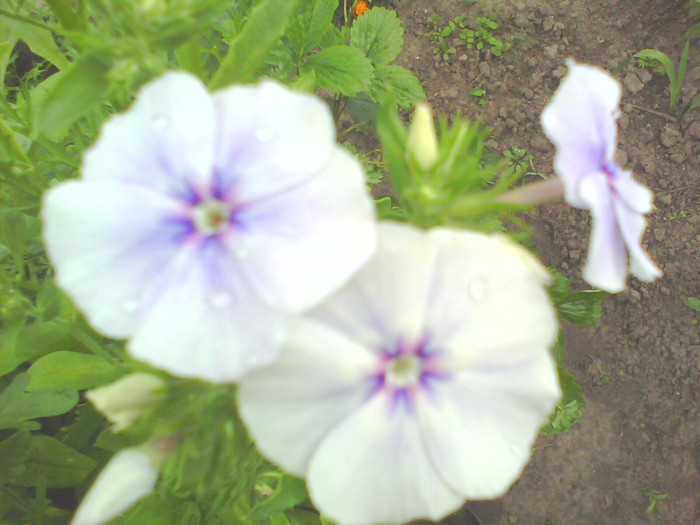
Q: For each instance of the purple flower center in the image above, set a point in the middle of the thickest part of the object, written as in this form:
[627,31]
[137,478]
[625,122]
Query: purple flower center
[406,370]
[211,217]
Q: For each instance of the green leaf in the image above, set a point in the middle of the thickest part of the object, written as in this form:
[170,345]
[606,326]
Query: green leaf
[77,92]
[14,452]
[403,84]
[694,103]
[65,14]
[9,334]
[309,27]
[570,409]
[579,308]
[290,491]
[665,61]
[379,35]
[393,135]
[259,35]
[62,370]
[57,463]
[340,69]
[39,339]
[693,303]
[40,40]
[14,231]
[18,407]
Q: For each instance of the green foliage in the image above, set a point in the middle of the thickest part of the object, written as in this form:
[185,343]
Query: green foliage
[483,38]
[654,497]
[341,69]
[693,303]
[582,308]
[480,36]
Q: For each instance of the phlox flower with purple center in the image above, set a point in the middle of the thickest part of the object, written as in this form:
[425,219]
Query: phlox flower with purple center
[420,384]
[581,122]
[204,222]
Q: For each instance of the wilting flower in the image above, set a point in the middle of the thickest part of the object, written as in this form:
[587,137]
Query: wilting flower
[128,477]
[203,221]
[125,400]
[580,121]
[420,384]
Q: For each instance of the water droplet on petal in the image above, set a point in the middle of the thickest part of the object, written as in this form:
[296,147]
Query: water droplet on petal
[131,306]
[265,134]
[159,122]
[477,289]
[221,299]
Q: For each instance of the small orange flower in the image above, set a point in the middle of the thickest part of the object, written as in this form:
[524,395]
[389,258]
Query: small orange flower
[361,8]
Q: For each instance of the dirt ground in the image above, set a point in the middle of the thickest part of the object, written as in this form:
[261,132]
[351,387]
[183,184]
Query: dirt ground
[640,367]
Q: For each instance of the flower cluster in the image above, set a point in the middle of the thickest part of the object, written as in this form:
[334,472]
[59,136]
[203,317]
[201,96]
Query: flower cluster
[400,372]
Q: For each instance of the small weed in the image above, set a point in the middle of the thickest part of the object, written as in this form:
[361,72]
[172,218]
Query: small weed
[603,378]
[693,303]
[483,38]
[440,37]
[520,160]
[654,498]
[678,216]
[481,95]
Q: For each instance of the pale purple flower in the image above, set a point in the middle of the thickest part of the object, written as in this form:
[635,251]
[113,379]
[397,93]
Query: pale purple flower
[581,121]
[202,223]
[421,383]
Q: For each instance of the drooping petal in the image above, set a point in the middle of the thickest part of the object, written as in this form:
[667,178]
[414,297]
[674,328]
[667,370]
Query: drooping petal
[269,139]
[300,244]
[635,196]
[632,226]
[606,267]
[479,427]
[487,304]
[165,142]
[128,477]
[374,468]
[386,299]
[319,378]
[201,319]
[580,121]
[108,242]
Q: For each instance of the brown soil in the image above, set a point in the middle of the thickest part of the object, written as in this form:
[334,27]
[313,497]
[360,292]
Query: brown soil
[640,366]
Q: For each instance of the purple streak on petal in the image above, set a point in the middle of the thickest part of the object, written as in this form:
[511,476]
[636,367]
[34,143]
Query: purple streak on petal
[402,398]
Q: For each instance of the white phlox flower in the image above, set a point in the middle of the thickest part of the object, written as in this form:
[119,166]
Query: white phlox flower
[581,122]
[420,384]
[203,222]
[128,477]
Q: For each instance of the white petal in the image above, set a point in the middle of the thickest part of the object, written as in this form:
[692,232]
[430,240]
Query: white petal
[487,301]
[165,142]
[319,378]
[384,304]
[270,139]
[479,425]
[606,267]
[632,226]
[128,477]
[635,195]
[200,319]
[580,121]
[374,468]
[108,242]
[301,244]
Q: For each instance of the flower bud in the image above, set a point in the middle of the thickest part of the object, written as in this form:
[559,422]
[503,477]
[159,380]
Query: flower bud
[422,139]
[123,401]
[129,476]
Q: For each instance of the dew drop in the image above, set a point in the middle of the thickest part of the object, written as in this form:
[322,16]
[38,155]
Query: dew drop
[477,289]
[221,300]
[159,122]
[265,134]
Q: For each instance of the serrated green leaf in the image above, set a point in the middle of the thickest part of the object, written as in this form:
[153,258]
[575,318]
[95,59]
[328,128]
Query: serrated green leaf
[18,408]
[404,85]
[79,90]
[259,36]
[290,491]
[309,27]
[340,69]
[570,409]
[379,35]
[62,370]
[57,463]
[38,39]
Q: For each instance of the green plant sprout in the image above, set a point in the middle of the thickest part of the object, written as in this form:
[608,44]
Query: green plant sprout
[481,95]
[693,303]
[603,378]
[520,159]
[483,38]
[439,36]
[654,497]
[677,216]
